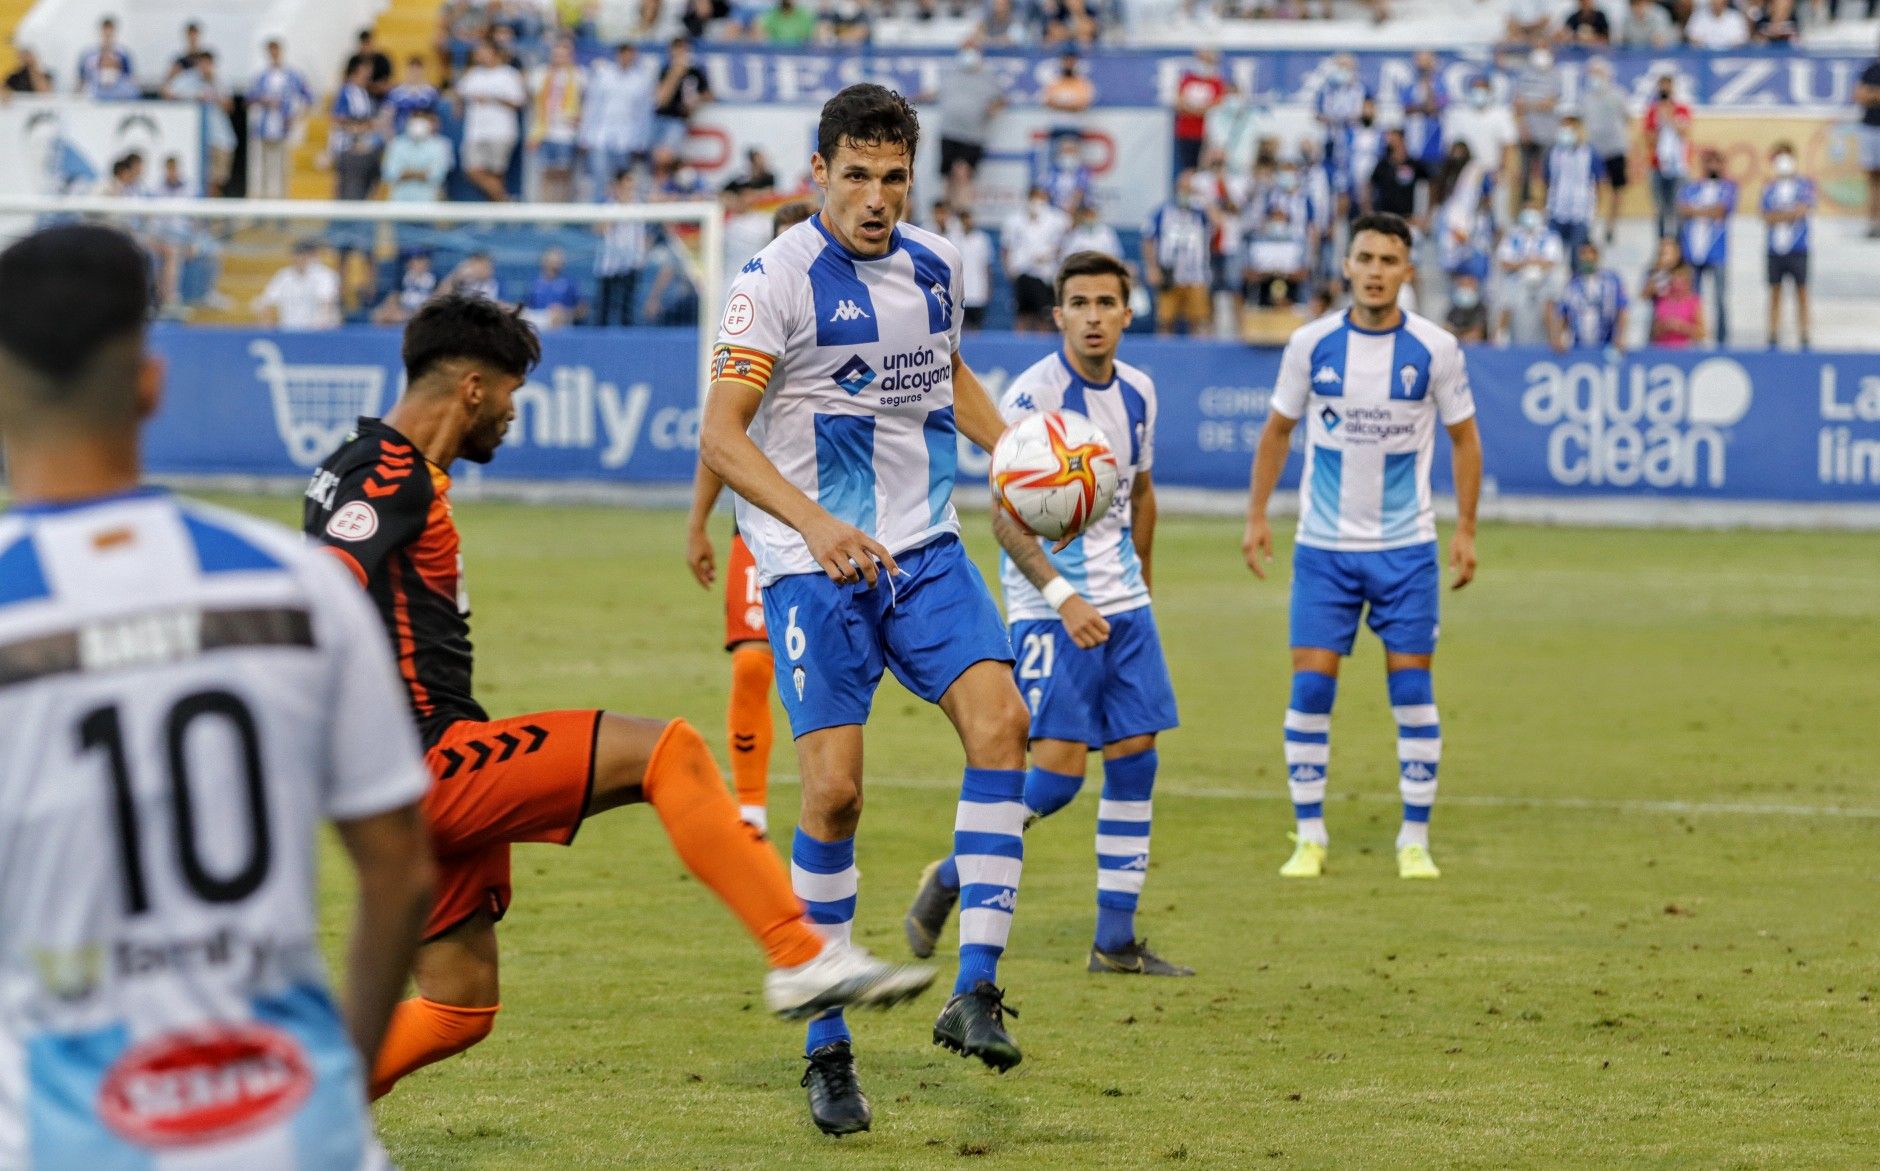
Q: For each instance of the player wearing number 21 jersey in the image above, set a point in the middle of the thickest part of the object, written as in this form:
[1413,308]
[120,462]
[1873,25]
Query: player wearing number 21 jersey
[185,694]
[1090,661]
[837,402]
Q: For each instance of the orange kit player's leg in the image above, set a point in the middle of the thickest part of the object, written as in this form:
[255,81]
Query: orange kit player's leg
[534,779]
[747,719]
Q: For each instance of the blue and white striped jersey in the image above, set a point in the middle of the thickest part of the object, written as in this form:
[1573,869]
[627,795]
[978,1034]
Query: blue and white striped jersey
[1706,242]
[1371,402]
[1589,308]
[186,695]
[1573,178]
[1183,243]
[1102,563]
[855,360]
[1788,194]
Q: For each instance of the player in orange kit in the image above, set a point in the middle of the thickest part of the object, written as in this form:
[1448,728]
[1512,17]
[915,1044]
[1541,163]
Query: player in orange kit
[381,503]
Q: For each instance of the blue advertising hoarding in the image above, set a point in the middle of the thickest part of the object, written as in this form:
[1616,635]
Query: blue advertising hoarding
[620,407]
[1753,79]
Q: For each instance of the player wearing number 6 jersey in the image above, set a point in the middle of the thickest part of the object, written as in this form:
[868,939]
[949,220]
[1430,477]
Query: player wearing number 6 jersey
[185,695]
[1089,659]
[837,400]
[381,503]
[1371,385]
[747,716]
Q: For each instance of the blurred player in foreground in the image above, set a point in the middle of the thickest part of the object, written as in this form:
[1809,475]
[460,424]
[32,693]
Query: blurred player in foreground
[1089,659]
[747,718]
[837,401]
[1371,383]
[381,503]
[186,695]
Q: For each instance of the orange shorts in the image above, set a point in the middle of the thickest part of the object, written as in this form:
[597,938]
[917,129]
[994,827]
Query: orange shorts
[744,602]
[525,779]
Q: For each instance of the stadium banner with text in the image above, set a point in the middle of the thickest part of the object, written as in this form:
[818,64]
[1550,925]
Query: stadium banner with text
[723,131]
[66,143]
[1761,79]
[621,407]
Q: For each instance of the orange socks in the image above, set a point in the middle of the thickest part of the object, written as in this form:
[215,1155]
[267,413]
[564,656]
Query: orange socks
[423,1031]
[685,789]
[748,722]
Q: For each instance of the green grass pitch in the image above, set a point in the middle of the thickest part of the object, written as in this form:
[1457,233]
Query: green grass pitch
[1652,945]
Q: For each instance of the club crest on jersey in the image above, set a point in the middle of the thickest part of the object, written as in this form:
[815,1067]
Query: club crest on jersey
[848,310]
[944,301]
[798,677]
[1326,376]
[855,375]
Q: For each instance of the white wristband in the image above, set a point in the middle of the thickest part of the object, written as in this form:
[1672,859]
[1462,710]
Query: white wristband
[1057,591]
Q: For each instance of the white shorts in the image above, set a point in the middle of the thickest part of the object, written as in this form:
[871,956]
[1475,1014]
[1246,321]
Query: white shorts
[488,154]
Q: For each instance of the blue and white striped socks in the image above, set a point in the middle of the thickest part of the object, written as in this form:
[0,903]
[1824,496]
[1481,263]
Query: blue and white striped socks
[1122,846]
[1309,749]
[824,876]
[1419,751]
[989,849]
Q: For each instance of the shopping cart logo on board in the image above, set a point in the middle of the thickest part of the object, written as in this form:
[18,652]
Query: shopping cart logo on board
[316,404]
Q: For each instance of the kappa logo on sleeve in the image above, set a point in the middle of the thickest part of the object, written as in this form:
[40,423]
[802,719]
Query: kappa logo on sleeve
[357,521]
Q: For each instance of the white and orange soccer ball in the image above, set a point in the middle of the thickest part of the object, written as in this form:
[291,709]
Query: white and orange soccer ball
[1054,473]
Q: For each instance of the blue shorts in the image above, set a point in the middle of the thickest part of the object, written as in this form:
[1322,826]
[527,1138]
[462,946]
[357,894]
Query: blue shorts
[1401,587]
[558,155]
[927,626]
[1097,696]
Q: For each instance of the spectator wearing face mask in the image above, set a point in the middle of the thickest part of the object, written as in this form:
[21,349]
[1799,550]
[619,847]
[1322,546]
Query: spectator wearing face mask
[1528,262]
[1605,118]
[418,161]
[1358,147]
[970,98]
[1339,102]
[1667,130]
[1467,317]
[1787,200]
[1321,205]
[1705,204]
[1199,89]
[1177,259]
[1090,234]
[1487,127]
[1537,97]
[1275,265]
[1032,236]
[1461,223]
[416,283]
[1398,180]
[1574,176]
[104,71]
[1065,176]
[1423,99]
[1590,314]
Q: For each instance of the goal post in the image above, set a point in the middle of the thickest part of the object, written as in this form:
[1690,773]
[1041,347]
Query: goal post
[257,225]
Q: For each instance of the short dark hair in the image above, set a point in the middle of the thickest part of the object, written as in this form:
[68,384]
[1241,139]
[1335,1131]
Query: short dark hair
[1091,264]
[472,327]
[790,215]
[867,114]
[1385,223]
[69,297]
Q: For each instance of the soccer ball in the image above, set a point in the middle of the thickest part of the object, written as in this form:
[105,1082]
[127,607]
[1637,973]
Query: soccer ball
[1054,473]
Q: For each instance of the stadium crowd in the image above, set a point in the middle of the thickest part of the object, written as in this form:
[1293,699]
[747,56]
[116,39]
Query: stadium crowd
[1513,186]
